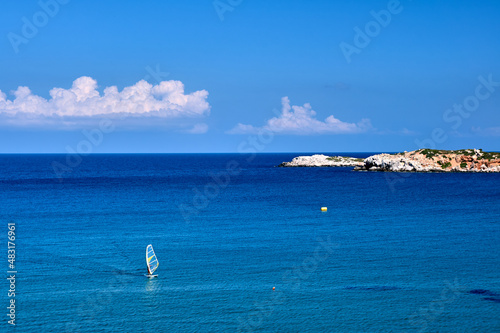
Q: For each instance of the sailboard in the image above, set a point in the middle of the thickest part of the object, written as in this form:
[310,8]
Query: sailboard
[151,261]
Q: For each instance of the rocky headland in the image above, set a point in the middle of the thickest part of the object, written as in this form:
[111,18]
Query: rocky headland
[431,160]
[323,161]
[422,160]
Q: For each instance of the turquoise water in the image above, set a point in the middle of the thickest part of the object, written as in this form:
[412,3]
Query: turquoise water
[394,252]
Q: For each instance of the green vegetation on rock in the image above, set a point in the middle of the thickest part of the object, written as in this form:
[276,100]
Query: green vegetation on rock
[431,153]
[490,156]
[445,165]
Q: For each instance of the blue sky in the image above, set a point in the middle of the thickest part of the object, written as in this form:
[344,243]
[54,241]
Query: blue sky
[276,76]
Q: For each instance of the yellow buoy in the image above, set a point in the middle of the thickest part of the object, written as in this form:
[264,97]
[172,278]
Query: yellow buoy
[324,209]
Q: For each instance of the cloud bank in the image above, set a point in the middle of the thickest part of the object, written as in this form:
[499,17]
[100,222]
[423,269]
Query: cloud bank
[302,120]
[81,103]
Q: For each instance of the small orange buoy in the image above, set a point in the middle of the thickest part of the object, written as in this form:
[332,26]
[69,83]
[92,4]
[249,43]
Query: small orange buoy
[273,288]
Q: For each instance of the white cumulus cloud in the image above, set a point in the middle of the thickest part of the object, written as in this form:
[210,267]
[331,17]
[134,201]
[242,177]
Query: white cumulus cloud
[142,101]
[302,120]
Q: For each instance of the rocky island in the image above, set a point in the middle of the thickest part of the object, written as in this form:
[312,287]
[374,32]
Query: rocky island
[422,160]
[431,160]
[323,161]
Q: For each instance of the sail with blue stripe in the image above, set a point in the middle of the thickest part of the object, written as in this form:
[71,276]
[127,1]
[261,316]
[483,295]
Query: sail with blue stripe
[151,260]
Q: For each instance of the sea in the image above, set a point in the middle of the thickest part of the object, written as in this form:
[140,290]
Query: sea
[243,246]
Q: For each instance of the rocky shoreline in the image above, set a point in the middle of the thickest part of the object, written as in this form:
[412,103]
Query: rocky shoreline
[422,160]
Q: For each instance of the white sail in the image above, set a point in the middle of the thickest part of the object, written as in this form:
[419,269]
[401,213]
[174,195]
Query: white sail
[151,260]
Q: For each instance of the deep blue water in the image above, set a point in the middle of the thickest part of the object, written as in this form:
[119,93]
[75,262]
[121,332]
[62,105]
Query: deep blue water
[394,252]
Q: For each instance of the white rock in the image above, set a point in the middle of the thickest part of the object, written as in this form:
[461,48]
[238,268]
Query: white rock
[417,163]
[322,161]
